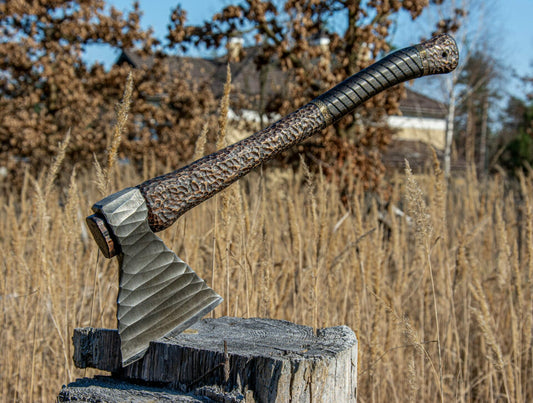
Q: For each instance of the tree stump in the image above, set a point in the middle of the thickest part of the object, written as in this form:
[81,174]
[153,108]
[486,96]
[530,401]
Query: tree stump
[107,389]
[230,359]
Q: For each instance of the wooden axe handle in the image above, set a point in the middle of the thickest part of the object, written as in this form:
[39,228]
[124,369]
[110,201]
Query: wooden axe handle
[170,195]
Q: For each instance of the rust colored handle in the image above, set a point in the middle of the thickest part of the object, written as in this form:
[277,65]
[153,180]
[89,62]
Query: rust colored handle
[169,196]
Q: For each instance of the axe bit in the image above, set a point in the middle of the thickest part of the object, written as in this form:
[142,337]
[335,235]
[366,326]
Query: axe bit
[158,292]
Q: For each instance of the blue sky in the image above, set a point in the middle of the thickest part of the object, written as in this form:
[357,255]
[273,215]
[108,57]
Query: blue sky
[516,19]
[512,21]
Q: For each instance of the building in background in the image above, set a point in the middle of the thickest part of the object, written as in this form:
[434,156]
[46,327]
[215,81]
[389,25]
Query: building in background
[419,128]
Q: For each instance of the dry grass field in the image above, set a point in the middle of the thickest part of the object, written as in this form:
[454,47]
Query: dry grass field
[441,299]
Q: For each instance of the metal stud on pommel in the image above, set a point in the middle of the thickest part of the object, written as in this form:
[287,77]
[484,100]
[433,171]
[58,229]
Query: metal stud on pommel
[158,292]
[439,55]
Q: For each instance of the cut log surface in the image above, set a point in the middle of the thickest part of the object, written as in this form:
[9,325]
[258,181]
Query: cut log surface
[267,360]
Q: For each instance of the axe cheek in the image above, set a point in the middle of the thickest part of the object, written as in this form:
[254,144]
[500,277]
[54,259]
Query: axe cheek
[158,292]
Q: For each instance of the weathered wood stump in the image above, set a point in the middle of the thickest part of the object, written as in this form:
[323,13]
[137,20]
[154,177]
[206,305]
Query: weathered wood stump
[107,389]
[264,361]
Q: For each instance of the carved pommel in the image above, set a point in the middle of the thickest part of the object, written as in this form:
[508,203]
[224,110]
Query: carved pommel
[439,54]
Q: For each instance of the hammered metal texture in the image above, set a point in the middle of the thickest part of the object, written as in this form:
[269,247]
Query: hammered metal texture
[169,196]
[158,293]
[439,54]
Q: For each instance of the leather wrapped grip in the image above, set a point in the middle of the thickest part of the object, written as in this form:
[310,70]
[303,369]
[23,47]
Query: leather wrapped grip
[169,196]
[436,56]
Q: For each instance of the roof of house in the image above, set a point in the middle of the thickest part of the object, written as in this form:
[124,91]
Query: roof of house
[212,71]
[416,104]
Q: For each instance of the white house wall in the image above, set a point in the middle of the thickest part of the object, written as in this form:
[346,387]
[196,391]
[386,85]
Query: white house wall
[428,130]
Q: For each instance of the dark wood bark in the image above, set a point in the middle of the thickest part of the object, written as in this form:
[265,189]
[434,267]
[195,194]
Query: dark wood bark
[107,389]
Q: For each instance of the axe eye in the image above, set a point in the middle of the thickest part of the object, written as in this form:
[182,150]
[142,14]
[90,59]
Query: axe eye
[102,236]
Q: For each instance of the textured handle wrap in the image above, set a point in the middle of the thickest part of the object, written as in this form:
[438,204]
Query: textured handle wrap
[438,55]
[171,195]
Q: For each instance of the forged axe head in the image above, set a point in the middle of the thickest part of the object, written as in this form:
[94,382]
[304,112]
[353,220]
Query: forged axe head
[159,293]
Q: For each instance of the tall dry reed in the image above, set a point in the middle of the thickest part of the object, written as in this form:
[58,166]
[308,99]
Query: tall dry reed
[441,298]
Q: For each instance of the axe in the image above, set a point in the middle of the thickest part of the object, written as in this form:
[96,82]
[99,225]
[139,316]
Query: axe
[158,292]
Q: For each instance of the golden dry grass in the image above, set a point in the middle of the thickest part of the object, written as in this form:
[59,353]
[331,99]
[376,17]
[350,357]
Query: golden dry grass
[441,301]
